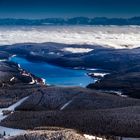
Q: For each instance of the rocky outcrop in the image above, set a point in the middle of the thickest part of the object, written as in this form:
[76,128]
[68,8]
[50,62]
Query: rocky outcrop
[15,83]
[51,134]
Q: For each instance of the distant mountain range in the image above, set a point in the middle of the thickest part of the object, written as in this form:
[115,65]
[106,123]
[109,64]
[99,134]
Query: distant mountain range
[72,21]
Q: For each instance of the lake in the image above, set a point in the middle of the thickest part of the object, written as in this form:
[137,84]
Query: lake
[55,75]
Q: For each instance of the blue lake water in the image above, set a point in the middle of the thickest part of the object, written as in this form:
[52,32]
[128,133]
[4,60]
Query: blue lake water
[55,75]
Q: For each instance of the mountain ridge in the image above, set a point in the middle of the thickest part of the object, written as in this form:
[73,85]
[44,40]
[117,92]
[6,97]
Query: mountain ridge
[72,21]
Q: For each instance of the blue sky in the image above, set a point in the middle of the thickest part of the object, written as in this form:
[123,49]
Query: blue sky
[68,8]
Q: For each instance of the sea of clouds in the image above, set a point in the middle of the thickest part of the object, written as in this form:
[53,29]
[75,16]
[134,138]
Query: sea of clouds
[108,36]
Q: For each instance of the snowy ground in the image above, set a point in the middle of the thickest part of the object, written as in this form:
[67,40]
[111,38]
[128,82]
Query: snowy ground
[77,50]
[100,74]
[108,36]
[10,131]
[65,105]
[91,137]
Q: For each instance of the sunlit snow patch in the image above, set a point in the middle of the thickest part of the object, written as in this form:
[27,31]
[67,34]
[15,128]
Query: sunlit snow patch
[77,50]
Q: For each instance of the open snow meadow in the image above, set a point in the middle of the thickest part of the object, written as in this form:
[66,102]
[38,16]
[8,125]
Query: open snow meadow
[108,36]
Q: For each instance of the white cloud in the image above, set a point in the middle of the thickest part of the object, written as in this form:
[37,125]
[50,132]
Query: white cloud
[108,36]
